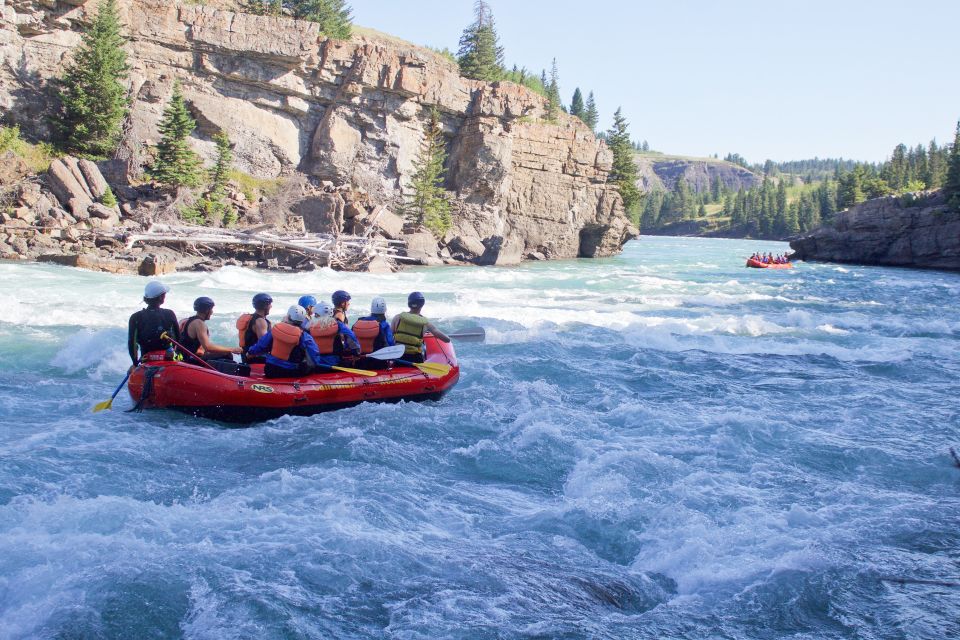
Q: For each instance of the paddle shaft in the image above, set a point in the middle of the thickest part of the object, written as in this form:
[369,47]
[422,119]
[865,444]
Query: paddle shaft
[360,372]
[125,378]
[189,353]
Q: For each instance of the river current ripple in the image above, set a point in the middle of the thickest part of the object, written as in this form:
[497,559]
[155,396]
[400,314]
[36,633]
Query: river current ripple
[660,444]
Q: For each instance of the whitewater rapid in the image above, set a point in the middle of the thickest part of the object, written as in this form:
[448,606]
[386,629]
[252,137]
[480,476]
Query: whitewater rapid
[659,444]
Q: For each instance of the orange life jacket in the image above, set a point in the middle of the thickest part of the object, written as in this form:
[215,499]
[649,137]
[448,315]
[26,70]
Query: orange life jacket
[366,332]
[247,336]
[286,338]
[325,337]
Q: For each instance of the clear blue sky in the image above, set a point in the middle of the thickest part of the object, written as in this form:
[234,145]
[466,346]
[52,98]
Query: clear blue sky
[764,79]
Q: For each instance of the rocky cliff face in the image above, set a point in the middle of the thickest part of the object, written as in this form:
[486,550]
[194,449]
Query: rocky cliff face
[657,173]
[886,231]
[342,111]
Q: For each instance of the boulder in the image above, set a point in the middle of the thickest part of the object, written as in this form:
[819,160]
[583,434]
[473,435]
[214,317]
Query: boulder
[155,265]
[25,213]
[102,211]
[27,194]
[389,223]
[466,247]
[67,189]
[353,209]
[321,213]
[90,261]
[74,165]
[12,167]
[379,264]
[95,181]
[422,247]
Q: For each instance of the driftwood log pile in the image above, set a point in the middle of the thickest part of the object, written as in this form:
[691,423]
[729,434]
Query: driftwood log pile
[337,251]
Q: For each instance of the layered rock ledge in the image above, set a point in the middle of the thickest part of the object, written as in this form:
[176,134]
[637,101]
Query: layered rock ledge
[917,231]
[345,112]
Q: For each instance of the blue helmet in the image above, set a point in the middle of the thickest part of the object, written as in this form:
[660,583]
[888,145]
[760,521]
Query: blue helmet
[261,300]
[307,301]
[203,303]
[340,296]
[416,299]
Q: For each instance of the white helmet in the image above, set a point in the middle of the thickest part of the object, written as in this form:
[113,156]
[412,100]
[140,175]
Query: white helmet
[297,314]
[154,289]
[378,305]
[323,309]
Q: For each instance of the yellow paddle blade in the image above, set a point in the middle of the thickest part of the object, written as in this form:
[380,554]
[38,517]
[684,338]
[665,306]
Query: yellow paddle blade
[358,372]
[433,368]
[100,406]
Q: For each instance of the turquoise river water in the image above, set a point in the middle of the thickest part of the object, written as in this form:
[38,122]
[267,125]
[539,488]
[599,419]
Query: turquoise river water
[663,444]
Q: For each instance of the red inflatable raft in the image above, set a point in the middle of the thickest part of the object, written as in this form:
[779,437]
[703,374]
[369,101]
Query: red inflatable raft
[756,264]
[204,392]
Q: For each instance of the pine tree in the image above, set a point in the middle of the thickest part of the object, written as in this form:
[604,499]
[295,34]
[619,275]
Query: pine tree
[577,108]
[715,188]
[176,164]
[935,173]
[701,211]
[590,114]
[428,203]
[951,185]
[850,188]
[553,94]
[213,208]
[624,172]
[480,55]
[93,93]
[781,197]
[333,16]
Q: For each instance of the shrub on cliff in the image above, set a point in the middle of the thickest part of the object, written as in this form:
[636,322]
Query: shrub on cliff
[952,184]
[480,55]
[624,172]
[176,164]
[264,7]
[428,203]
[93,95]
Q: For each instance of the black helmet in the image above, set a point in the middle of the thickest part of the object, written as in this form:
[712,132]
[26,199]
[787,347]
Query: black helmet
[340,296]
[261,300]
[203,303]
[416,299]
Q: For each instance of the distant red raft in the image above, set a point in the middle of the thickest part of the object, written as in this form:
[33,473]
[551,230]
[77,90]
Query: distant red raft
[212,394]
[756,264]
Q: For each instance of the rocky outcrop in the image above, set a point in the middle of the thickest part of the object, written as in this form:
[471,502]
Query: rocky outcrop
[347,112]
[919,231]
[661,173]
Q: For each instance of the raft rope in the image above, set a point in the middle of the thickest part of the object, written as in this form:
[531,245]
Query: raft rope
[148,376]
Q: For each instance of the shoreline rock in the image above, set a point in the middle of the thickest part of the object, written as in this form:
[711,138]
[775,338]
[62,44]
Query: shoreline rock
[917,230]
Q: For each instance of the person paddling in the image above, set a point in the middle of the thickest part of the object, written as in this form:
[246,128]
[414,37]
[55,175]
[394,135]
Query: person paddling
[253,326]
[308,302]
[374,331]
[341,302]
[195,335]
[287,346]
[409,327]
[335,341]
[147,325]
